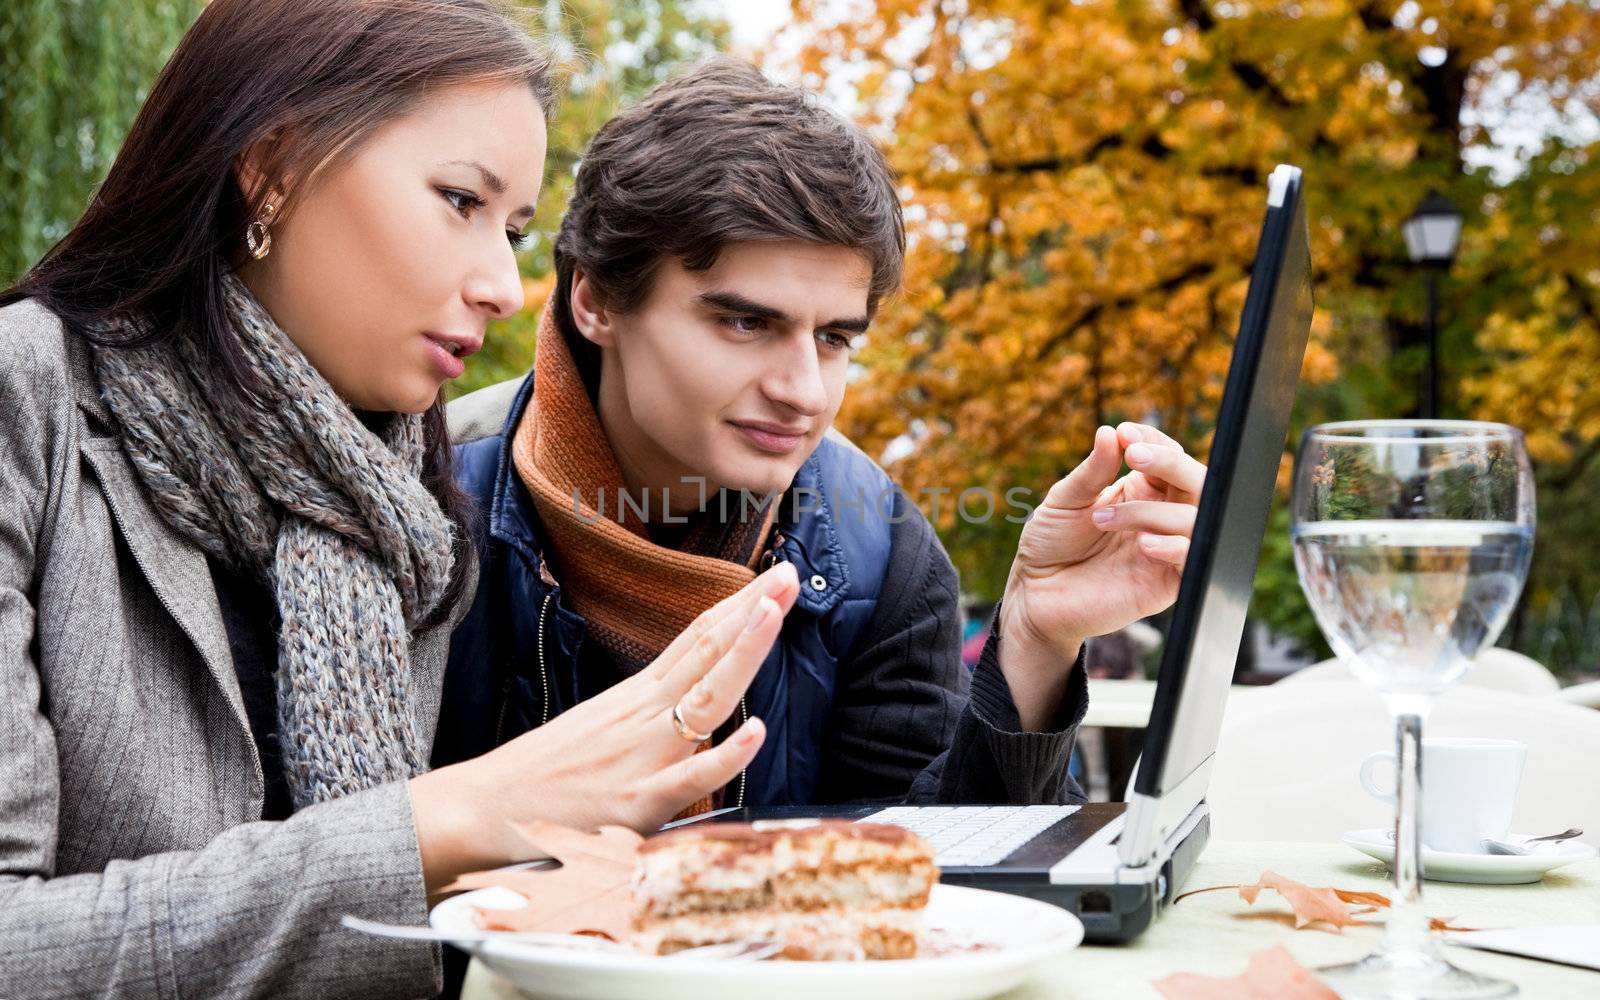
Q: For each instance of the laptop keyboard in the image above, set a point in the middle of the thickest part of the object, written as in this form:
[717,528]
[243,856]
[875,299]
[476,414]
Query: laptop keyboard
[973,836]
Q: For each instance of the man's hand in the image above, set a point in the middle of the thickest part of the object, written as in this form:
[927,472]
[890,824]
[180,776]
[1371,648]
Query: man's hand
[1100,553]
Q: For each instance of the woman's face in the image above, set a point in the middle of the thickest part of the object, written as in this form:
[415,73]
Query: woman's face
[391,262]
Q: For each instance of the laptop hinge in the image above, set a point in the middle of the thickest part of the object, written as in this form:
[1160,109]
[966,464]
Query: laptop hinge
[1153,819]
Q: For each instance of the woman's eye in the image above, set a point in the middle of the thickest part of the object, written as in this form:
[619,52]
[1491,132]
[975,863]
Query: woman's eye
[461,201]
[517,240]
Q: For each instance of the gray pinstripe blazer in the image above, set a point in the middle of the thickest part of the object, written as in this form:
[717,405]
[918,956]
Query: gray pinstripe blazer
[132,859]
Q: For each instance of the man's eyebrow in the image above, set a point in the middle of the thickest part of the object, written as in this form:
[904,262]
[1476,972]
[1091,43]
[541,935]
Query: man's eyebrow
[853,324]
[493,181]
[734,302]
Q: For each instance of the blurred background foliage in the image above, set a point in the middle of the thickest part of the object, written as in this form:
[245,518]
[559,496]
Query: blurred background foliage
[1083,184]
[72,75]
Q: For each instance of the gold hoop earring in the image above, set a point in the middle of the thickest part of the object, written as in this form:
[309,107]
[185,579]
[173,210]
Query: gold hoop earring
[257,237]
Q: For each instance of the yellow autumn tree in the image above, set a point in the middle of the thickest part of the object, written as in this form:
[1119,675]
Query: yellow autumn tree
[1084,183]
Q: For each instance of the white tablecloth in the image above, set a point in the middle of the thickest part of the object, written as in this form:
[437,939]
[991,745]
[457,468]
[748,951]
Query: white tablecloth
[1214,933]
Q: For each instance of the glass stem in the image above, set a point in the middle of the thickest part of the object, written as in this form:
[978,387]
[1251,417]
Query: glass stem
[1407,928]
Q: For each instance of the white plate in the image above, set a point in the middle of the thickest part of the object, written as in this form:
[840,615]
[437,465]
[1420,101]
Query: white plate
[1483,869]
[1025,932]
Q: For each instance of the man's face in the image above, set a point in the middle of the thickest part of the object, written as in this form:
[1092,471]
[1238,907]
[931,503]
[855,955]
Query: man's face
[733,374]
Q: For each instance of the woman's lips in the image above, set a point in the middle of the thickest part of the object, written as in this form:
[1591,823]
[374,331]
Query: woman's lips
[770,439]
[446,364]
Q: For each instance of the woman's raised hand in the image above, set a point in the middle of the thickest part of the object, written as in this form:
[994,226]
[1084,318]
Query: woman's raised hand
[626,756]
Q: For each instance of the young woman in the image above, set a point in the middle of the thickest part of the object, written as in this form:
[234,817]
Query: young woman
[230,547]
[726,240]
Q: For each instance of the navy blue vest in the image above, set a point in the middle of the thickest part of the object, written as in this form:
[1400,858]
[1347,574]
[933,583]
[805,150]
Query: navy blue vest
[837,540]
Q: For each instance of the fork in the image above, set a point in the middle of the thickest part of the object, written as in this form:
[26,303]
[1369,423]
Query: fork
[728,951]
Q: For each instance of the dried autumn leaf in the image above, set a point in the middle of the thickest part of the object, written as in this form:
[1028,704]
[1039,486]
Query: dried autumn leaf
[588,894]
[1271,975]
[1376,899]
[1369,901]
[1309,905]
[1447,924]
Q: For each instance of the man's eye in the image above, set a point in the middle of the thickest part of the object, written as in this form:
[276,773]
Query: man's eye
[746,324]
[834,340]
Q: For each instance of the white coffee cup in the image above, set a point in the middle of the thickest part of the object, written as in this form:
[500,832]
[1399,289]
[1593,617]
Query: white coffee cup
[1469,789]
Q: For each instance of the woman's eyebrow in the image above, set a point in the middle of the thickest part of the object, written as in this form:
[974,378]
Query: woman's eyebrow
[491,180]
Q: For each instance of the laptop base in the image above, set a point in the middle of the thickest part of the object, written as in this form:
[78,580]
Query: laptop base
[1115,904]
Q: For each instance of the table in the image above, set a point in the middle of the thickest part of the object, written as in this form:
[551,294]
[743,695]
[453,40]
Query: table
[1125,704]
[1214,933]
[1120,704]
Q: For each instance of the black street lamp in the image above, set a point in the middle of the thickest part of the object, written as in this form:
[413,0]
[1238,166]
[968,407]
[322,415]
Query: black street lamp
[1432,233]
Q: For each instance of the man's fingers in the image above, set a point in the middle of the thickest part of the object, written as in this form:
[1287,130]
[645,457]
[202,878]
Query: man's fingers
[1082,485]
[710,700]
[1168,464]
[699,775]
[1131,432]
[1156,516]
[715,642]
[735,610]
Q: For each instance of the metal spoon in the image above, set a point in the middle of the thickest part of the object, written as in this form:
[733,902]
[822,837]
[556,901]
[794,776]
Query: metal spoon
[739,951]
[575,942]
[1501,847]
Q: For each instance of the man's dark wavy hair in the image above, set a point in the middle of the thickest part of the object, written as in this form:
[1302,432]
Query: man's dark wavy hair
[720,155]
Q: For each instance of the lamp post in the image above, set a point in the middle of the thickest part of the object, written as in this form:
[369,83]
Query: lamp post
[1432,234]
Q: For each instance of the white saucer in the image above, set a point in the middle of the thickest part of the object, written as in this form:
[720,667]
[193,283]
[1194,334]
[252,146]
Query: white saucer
[1482,869]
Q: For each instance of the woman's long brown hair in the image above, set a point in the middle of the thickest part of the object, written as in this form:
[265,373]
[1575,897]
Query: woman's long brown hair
[298,84]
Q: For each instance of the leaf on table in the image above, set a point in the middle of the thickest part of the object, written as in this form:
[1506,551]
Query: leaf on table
[588,894]
[1309,905]
[1447,924]
[1271,975]
[1375,899]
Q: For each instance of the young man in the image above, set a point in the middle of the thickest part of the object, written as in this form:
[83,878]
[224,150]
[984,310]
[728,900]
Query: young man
[726,240]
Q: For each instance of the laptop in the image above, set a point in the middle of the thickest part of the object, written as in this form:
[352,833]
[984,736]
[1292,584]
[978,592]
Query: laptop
[1116,865]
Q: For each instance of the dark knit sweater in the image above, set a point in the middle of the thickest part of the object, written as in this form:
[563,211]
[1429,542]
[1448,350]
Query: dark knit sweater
[251,617]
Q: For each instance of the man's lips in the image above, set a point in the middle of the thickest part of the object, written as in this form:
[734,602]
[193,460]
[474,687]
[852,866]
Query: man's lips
[779,439]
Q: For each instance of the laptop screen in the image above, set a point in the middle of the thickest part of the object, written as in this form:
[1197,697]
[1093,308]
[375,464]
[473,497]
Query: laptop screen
[1252,425]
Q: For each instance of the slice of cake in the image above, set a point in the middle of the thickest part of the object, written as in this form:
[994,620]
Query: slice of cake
[823,889]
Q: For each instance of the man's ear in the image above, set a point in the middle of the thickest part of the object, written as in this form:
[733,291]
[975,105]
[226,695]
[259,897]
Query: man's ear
[593,320]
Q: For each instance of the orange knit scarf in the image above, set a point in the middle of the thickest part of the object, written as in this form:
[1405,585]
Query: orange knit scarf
[636,595]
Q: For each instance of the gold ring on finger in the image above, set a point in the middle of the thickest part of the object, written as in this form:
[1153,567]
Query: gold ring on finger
[683,727]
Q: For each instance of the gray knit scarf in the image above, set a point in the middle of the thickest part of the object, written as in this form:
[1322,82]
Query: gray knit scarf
[331,514]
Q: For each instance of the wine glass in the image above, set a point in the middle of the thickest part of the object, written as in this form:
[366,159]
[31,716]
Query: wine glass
[1412,540]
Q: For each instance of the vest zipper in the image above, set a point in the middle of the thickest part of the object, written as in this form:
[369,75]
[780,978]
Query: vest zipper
[544,682]
[544,674]
[744,716]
